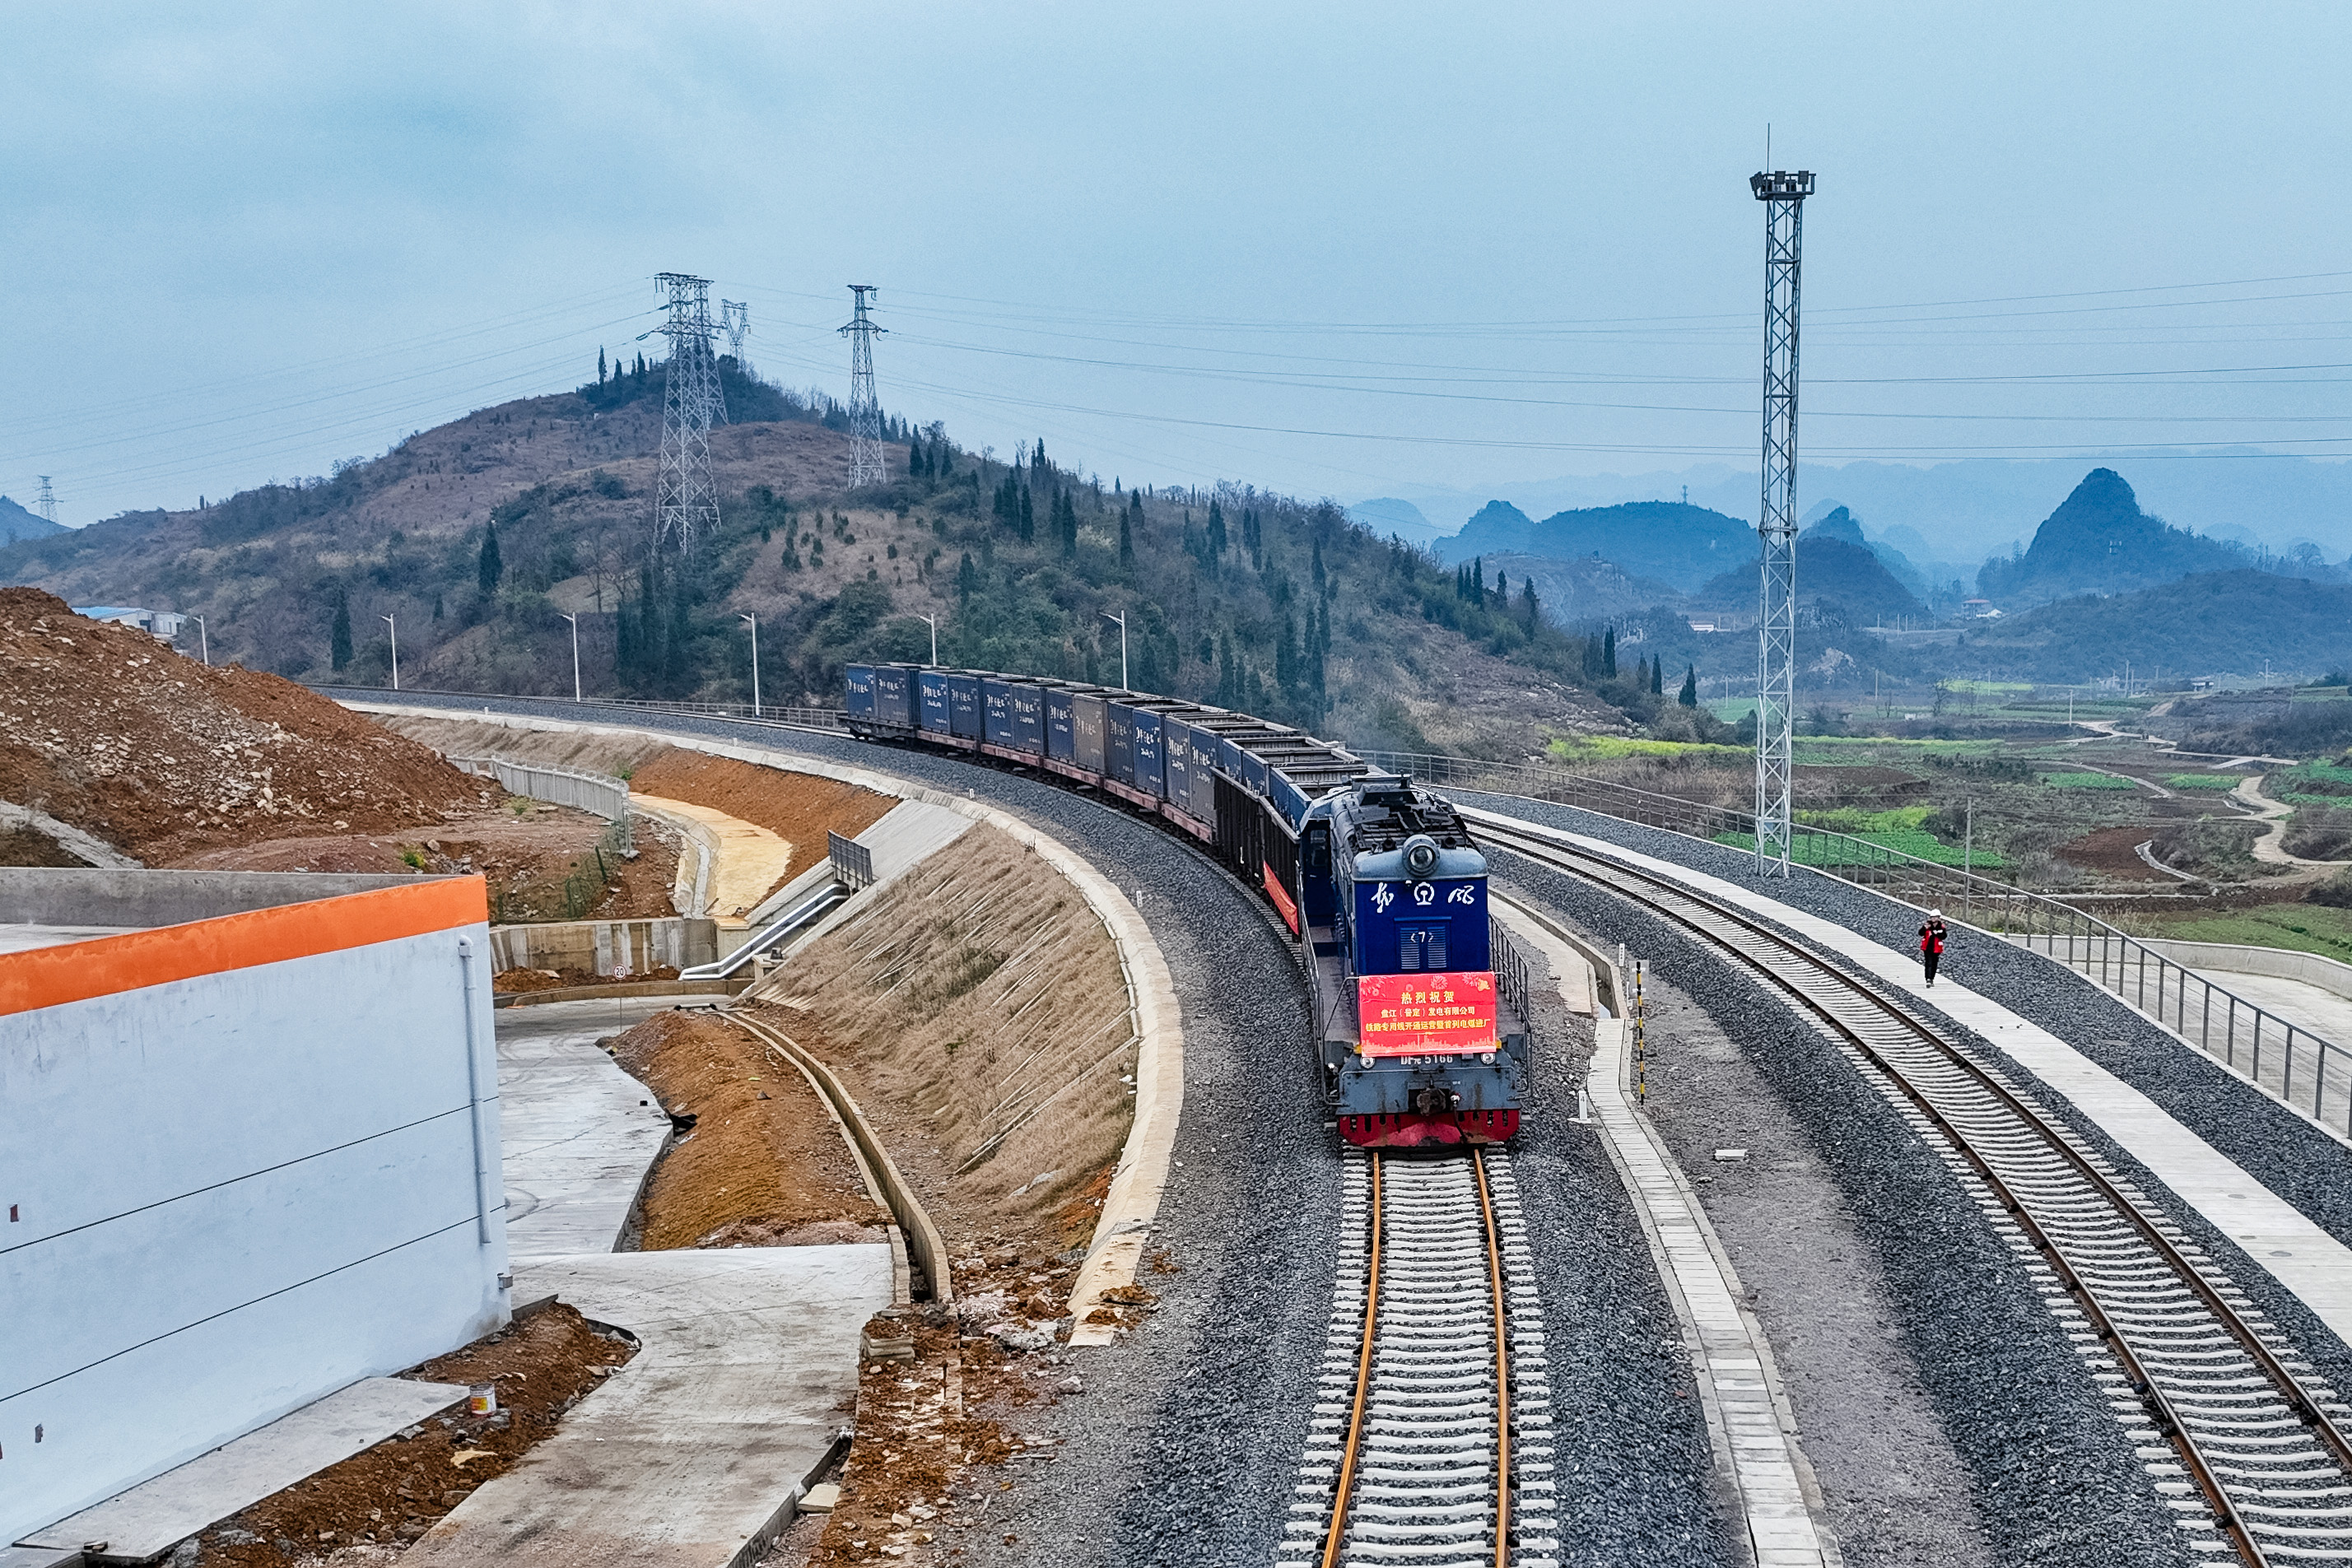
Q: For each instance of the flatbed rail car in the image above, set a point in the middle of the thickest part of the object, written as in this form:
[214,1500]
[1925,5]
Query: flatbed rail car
[1419,1003]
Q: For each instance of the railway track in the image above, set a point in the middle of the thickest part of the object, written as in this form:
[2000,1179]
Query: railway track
[2246,1444]
[1431,1443]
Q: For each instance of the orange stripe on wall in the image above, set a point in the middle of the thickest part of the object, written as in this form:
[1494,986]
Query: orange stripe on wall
[50,977]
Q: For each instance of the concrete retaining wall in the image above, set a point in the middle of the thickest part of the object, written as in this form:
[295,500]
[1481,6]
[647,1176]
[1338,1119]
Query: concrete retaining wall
[599,792]
[67,897]
[606,946]
[2237,958]
[250,1160]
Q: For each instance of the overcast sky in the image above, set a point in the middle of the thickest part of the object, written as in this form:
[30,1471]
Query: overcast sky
[1334,249]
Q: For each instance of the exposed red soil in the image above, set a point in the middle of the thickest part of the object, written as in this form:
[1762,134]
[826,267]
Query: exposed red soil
[526,854]
[544,1365]
[106,729]
[506,982]
[2113,851]
[796,806]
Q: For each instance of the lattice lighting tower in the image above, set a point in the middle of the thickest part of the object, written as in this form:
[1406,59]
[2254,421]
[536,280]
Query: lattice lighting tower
[735,315]
[865,410]
[49,501]
[1784,196]
[685,502]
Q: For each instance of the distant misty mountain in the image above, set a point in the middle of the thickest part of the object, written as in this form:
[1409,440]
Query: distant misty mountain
[1679,545]
[1387,516]
[1841,582]
[15,523]
[2215,624]
[2100,541]
[1976,508]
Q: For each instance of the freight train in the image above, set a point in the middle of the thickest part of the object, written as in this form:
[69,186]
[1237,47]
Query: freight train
[1420,1002]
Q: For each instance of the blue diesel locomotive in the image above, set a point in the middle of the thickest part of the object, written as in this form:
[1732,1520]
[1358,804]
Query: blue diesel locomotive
[1419,1001]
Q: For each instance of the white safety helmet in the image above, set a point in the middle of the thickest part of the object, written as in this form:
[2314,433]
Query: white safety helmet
[1935,914]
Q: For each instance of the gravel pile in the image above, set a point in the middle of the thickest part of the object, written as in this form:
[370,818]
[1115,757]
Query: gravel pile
[1182,1450]
[2051,1476]
[2271,1144]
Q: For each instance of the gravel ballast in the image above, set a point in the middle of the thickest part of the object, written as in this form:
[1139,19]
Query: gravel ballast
[2049,1472]
[2276,1145]
[1182,1450]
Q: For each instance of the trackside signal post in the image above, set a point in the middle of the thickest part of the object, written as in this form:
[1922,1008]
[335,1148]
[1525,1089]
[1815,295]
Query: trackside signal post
[1784,196]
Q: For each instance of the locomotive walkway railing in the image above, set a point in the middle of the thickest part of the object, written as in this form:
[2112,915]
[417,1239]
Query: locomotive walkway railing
[2305,1071]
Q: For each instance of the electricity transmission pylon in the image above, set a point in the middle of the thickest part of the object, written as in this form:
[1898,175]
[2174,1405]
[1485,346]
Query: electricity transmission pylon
[735,315]
[865,410]
[49,501]
[1784,196]
[685,502]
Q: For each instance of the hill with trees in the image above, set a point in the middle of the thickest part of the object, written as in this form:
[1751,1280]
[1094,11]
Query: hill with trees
[479,536]
[2099,541]
[1680,546]
[2215,624]
[17,523]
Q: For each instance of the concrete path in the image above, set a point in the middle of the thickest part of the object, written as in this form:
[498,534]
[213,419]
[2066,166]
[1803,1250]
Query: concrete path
[578,1134]
[2302,1004]
[694,1454]
[746,862]
[1731,1361]
[2272,1232]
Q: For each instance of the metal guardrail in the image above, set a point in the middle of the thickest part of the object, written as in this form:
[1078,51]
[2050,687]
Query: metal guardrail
[601,793]
[852,862]
[2305,1071]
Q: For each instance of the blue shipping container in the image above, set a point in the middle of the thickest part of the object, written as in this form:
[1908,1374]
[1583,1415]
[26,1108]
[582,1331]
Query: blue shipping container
[1087,749]
[1061,726]
[933,687]
[1029,720]
[894,696]
[963,706]
[1118,744]
[1176,762]
[996,712]
[857,689]
[1150,777]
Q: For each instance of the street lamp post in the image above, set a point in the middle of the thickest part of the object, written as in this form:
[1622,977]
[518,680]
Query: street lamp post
[204,643]
[395,649]
[934,638]
[754,621]
[1122,649]
[575,656]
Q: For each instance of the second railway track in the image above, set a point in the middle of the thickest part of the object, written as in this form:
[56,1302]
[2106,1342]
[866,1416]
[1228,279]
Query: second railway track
[2245,1442]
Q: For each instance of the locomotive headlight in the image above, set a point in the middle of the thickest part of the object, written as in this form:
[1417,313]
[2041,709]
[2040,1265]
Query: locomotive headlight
[1488,1058]
[1421,854]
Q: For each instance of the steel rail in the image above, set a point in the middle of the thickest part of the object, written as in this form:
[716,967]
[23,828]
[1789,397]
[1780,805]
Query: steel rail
[1502,1368]
[1659,895]
[1336,1536]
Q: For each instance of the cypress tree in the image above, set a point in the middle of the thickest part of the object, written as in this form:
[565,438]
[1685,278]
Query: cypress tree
[1478,581]
[1216,530]
[1658,678]
[1528,603]
[488,569]
[1609,654]
[1689,697]
[339,640]
[1028,516]
[1126,539]
[967,577]
[600,364]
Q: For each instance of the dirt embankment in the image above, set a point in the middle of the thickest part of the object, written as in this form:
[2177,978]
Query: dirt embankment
[385,1497]
[764,1164]
[798,808]
[106,729]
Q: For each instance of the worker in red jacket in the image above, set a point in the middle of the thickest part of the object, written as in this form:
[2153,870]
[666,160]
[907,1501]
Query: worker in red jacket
[1931,942]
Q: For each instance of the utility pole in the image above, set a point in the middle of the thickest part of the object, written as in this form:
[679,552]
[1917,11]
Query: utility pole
[866,466]
[575,656]
[395,649]
[1784,196]
[735,316]
[48,504]
[685,502]
[755,623]
[1122,649]
[204,643]
[935,639]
